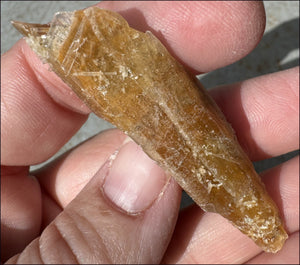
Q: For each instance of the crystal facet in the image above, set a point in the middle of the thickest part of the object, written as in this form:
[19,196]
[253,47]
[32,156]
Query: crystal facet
[129,78]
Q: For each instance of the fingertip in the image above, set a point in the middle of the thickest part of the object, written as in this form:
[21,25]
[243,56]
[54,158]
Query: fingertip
[33,124]
[203,35]
[264,112]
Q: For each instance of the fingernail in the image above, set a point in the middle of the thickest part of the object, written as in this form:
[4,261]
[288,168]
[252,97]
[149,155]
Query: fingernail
[134,181]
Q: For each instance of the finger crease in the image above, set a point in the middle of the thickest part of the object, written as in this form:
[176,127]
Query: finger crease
[66,242]
[103,246]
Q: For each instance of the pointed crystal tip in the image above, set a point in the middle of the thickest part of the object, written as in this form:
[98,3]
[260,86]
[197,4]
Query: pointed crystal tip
[28,29]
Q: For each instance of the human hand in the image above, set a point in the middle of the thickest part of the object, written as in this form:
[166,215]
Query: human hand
[39,114]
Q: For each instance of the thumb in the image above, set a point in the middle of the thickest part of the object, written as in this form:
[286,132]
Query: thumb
[125,214]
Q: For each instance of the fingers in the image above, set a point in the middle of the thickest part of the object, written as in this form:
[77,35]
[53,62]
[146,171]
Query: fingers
[204,35]
[264,112]
[197,234]
[136,186]
[34,124]
[116,218]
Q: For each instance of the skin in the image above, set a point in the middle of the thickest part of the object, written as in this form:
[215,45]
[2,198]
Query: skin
[46,212]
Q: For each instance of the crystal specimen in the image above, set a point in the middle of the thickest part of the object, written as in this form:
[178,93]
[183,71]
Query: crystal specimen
[128,78]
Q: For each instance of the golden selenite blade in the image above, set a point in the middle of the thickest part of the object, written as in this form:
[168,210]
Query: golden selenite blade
[129,78]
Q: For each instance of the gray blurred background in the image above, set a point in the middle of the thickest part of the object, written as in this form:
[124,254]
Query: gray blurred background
[278,50]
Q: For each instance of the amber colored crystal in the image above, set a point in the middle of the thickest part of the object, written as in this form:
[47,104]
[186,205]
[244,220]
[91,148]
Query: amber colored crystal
[129,78]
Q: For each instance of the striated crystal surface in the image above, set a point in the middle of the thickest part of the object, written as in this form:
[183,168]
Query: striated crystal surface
[128,78]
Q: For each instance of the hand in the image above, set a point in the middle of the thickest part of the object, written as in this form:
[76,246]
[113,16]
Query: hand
[78,211]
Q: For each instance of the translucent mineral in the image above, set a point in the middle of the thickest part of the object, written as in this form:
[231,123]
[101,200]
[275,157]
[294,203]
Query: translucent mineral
[129,78]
